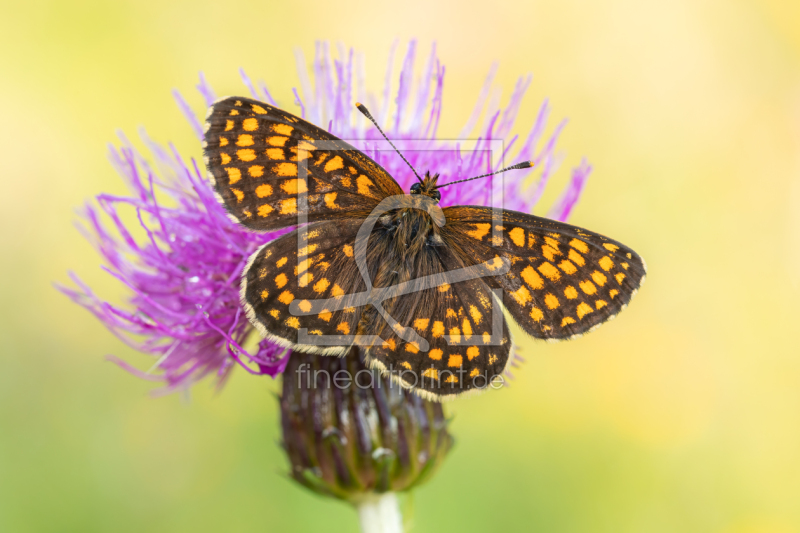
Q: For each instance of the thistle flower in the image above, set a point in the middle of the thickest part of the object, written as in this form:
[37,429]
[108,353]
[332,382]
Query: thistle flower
[350,432]
[183,262]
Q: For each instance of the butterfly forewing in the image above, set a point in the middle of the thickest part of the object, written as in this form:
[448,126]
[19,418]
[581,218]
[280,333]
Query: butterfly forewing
[262,160]
[563,280]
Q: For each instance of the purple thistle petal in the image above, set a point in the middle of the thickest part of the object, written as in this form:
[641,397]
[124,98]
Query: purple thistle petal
[562,207]
[248,83]
[206,91]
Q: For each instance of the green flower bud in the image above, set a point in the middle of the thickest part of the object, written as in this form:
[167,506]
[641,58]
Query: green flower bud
[350,432]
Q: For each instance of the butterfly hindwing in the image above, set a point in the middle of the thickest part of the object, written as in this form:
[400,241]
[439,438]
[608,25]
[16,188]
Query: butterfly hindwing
[267,165]
[467,337]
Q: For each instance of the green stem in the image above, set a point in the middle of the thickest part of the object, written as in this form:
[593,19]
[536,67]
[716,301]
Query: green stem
[380,513]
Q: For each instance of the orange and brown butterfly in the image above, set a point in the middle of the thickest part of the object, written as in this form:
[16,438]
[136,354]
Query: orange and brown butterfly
[421,289]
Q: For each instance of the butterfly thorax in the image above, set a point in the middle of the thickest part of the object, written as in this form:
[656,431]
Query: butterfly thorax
[428,187]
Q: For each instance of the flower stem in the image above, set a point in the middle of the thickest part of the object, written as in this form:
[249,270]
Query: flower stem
[380,514]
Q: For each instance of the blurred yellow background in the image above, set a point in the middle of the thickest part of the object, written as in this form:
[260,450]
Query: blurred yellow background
[681,415]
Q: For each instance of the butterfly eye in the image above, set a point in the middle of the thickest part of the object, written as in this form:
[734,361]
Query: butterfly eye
[415,188]
[436,195]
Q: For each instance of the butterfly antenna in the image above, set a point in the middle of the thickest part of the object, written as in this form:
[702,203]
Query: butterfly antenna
[361,107]
[524,164]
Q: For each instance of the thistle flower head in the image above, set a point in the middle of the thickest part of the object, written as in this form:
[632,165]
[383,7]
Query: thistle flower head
[182,257]
[350,432]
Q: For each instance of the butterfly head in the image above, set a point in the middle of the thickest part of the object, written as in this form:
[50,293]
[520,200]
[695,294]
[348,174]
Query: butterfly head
[428,187]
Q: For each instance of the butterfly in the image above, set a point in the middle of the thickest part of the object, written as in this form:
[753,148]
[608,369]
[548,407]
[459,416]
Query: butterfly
[423,290]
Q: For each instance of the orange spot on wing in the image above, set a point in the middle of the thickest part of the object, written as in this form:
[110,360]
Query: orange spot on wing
[473,352]
[348,250]
[276,154]
[282,129]
[330,200]
[321,285]
[583,309]
[258,109]
[286,297]
[263,190]
[224,158]
[438,329]
[431,373]
[244,140]
[576,258]
[606,263]
[549,271]
[522,296]
[246,154]
[264,210]
[579,245]
[234,175]
[289,206]
[567,320]
[480,231]
[294,186]
[334,164]
[277,140]
[256,171]
[588,287]
[517,236]
[344,327]
[363,183]
[435,354]
[571,293]
[599,278]
[551,301]
[567,267]
[455,361]
[475,314]
[549,252]
[389,344]
[285,169]
[421,324]
[250,124]
[466,327]
[281,280]
[533,279]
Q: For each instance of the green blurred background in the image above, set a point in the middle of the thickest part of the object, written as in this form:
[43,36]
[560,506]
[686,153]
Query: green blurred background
[681,415]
